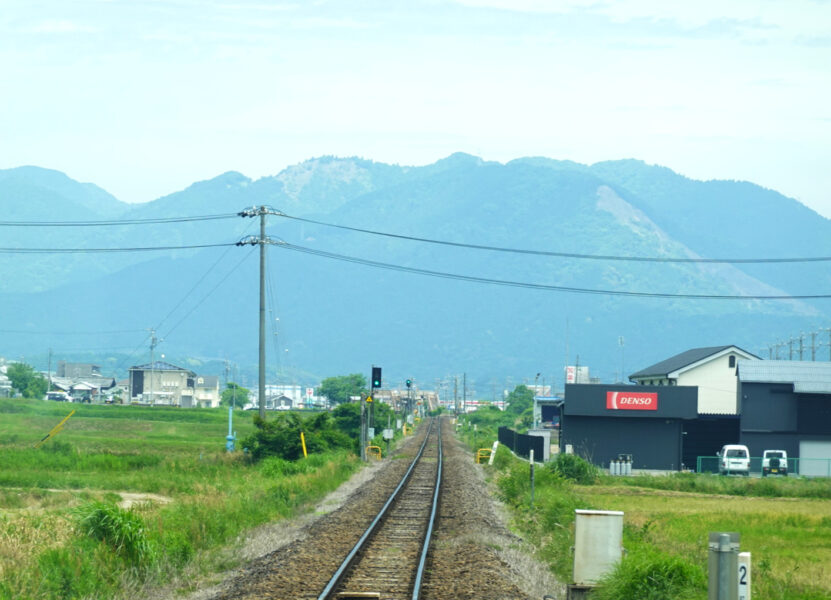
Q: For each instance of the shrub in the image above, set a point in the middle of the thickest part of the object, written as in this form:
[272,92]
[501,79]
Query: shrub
[574,468]
[122,530]
[648,574]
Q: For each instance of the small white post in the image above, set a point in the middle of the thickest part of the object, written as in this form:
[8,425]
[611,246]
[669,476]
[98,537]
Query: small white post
[531,463]
[493,452]
[744,575]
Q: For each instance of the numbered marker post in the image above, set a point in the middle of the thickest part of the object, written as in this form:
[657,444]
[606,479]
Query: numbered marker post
[744,575]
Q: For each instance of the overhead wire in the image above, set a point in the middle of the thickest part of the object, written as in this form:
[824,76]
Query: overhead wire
[73,333]
[539,286]
[275,331]
[117,222]
[210,292]
[201,279]
[613,257]
[103,250]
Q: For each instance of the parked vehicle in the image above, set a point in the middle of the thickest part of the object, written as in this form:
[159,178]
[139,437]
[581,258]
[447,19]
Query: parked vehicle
[774,462]
[59,396]
[734,458]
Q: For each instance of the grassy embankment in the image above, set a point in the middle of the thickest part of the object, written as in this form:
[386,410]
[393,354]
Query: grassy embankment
[62,532]
[784,523]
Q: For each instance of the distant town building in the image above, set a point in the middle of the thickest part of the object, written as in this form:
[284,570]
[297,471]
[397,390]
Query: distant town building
[577,374]
[206,391]
[5,383]
[77,370]
[161,383]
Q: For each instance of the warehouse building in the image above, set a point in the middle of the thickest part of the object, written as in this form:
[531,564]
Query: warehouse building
[601,422]
[685,408]
[786,405]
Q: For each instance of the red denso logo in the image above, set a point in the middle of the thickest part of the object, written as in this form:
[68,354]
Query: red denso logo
[632,400]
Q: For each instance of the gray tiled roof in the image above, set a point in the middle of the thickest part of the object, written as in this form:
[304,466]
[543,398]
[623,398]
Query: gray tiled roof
[807,377]
[679,361]
[209,381]
[160,365]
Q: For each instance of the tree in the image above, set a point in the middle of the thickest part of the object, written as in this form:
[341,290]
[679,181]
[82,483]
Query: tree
[520,400]
[28,382]
[234,395]
[339,389]
[280,436]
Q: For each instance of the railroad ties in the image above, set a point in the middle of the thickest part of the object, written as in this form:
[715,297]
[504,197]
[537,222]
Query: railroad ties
[389,559]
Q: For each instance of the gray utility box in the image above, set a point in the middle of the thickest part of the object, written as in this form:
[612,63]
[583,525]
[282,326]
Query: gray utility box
[598,538]
[723,566]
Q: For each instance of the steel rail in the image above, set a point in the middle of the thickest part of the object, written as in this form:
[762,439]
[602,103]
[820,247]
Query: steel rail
[350,558]
[433,510]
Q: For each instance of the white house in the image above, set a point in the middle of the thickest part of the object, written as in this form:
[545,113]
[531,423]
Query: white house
[712,370]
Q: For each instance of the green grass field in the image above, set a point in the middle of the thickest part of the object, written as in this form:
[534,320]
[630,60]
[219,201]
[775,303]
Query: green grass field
[784,523]
[65,531]
[789,538]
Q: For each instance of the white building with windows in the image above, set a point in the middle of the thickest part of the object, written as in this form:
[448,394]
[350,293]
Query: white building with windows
[712,370]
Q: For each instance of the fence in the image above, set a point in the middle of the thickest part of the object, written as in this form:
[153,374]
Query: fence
[522,444]
[806,467]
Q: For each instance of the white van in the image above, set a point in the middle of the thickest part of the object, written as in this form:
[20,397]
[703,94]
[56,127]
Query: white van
[734,458]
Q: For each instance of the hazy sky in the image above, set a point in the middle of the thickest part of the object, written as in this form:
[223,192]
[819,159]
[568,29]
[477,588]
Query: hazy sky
[145,97]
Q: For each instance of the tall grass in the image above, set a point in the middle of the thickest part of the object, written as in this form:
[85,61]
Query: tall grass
[122,530]
[62,533]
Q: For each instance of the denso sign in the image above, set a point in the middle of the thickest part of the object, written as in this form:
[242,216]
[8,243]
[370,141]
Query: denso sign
[632,400]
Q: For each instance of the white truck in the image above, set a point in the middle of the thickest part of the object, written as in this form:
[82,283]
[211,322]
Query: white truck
[774,462]
[734,458]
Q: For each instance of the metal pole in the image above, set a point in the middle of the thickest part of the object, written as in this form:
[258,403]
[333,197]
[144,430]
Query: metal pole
[464,393]
[262,314]
[152,362]
[723,567]
[813,346]
[531,460]
[363,425]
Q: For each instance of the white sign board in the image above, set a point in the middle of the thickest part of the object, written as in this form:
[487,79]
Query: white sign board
[388,434]
[371,433]
[744,575]
[398,423]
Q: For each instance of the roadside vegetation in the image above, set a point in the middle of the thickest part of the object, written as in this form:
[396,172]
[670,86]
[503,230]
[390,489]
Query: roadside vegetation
[785,523]
[124,497]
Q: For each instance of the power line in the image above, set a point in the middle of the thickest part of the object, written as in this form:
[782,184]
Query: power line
[564,254]
[196,285]
[539,286]
[206,296]
[104,250]
[73,333]
[151,221]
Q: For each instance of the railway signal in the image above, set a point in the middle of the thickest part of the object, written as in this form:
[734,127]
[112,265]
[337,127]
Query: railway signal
[376,377]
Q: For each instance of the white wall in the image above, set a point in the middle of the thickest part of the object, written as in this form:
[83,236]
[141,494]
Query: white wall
[717,385]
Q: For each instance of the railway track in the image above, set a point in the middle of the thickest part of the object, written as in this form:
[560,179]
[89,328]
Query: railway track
[389,559]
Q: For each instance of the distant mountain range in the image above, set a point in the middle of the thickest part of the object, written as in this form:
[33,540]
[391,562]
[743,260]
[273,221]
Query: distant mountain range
[329,317]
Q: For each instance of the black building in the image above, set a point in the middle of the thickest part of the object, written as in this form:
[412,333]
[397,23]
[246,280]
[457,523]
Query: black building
[601,422]
[786,405]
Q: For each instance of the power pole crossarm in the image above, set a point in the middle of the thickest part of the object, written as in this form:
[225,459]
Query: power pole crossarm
[258,211]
